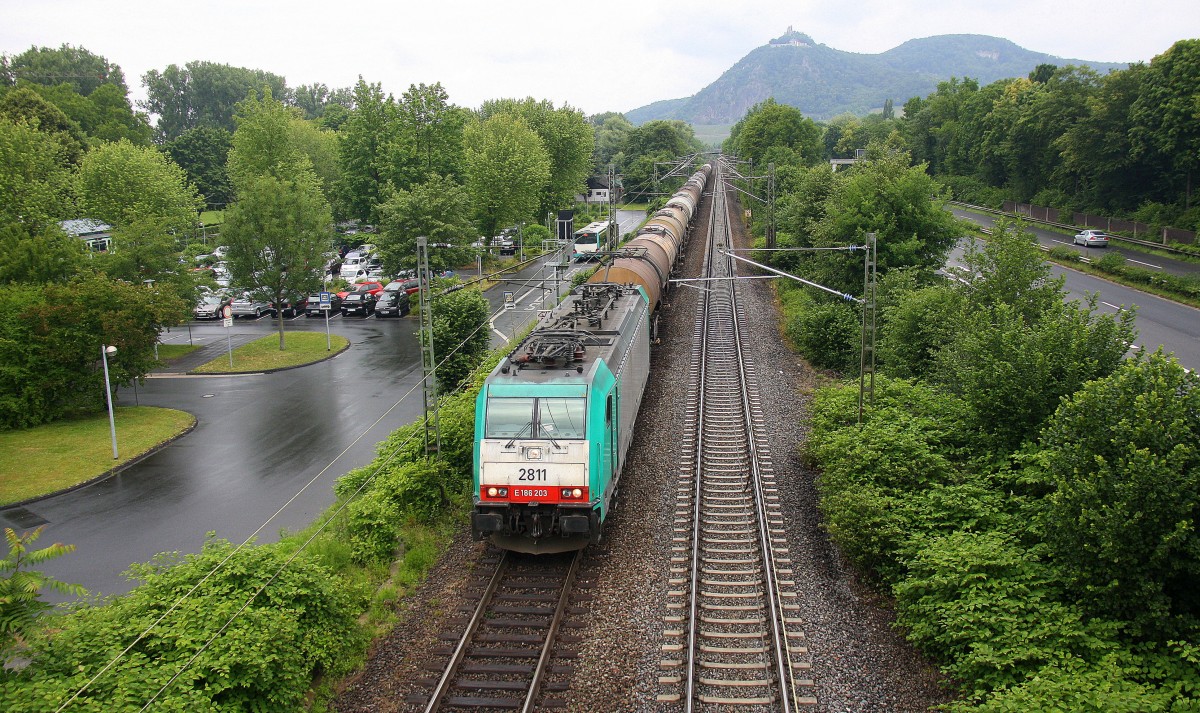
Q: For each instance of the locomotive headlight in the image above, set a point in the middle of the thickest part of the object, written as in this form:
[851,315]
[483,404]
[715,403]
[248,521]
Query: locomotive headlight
[504,492]
[577,493]
[493,492]
[566,493]
[533,453]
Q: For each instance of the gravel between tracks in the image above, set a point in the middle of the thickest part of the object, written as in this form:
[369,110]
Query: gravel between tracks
[860,663]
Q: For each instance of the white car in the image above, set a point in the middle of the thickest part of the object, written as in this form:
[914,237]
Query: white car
[1091,239]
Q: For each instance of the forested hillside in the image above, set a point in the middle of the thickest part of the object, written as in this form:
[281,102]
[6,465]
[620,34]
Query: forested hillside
[823,82]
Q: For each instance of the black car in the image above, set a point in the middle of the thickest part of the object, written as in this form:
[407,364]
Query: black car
[394,303]
[314,305]
[358,303]
[294,307]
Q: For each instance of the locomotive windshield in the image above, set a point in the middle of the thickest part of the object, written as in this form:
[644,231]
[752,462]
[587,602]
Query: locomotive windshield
[561,418]
[553,418]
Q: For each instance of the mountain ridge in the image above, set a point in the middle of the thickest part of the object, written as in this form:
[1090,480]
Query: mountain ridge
[824,82]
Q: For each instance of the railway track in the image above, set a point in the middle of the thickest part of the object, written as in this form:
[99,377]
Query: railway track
[734,637]
[507,646]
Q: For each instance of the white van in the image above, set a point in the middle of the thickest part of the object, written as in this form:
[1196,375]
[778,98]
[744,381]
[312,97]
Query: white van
[351,265]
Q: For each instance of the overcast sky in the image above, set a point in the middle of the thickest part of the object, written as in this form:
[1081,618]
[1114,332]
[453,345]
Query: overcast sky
[612,55]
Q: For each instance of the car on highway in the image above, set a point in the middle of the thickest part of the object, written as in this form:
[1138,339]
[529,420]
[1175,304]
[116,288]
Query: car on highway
[247,306]
[210,305]
[393,303]
[361,304]
[313,309]
[1091,239]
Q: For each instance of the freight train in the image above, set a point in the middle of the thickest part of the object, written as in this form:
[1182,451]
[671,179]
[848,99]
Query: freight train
[555,418]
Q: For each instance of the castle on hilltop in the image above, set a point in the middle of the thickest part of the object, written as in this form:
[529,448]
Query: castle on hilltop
[791,38]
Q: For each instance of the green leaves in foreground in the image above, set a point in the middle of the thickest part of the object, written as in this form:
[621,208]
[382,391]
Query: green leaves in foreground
[21,588]
[258,628]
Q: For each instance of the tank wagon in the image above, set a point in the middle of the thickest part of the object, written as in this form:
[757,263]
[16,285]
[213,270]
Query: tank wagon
[554,420]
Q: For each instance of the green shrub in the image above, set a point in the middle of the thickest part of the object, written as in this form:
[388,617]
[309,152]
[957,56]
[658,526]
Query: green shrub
[1062,253]
[900,477]
[992,613]
[1074,686]
[827,334]
[1123,454]
[1112,262]
[264,659]
[373,528]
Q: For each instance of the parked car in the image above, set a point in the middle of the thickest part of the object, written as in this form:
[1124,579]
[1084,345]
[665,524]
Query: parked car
[393,303]
[1091,239]
[210,305]
[292,307]
[313,309]
[246,306]
[353,262]
[358,303]
[372,286]
[411,286]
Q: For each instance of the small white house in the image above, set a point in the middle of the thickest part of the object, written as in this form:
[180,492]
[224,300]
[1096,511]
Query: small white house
[95,234]
[598,191]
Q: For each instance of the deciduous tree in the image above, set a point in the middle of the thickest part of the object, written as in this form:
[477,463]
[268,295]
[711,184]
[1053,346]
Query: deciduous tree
[278,233]
[122,184]
[507,167]
[202,153]
[566,138]
[364,140]
[438,209]
[34,178]
[203,94]
[76,66]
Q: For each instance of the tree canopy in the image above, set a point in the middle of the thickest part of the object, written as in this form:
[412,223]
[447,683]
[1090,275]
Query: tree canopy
[438,209]
[203,94]
[507,167]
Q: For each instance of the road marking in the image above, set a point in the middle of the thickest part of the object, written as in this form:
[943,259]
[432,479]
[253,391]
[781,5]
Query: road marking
[1110,304]
[1147,264]
[181,375]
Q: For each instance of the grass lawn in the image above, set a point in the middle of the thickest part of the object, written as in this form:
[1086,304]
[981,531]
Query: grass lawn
[174,351]
[46,459]
[262,354]
[212,217]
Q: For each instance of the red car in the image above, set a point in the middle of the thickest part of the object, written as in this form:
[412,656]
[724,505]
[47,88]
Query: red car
[372,286]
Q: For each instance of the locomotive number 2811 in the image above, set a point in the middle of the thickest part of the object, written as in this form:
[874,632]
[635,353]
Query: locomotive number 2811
[532,474]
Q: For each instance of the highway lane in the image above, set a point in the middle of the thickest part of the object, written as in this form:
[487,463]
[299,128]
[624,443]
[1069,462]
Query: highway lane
[1050,238]
[258,441]
[1160,322]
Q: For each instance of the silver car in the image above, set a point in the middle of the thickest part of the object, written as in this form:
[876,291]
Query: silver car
[1091,239]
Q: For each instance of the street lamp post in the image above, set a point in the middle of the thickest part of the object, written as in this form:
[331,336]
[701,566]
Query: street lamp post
[112,423]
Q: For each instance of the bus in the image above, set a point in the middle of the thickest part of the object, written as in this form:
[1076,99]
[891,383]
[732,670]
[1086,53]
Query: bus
[591,239]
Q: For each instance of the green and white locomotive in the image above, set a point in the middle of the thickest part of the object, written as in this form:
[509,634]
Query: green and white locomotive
[554,420]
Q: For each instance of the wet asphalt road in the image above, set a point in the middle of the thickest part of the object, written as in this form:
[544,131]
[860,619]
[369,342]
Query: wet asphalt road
[258,440]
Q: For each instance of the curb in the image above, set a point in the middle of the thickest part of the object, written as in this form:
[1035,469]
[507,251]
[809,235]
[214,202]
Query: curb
[327,357]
